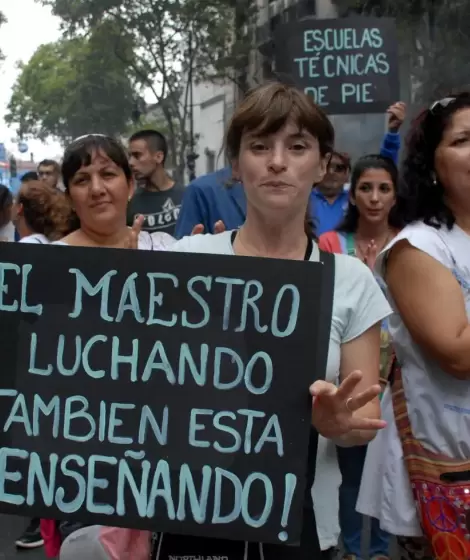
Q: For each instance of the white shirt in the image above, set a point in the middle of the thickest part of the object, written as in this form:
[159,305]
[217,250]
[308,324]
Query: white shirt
[440,411]
[358,305]
[35,238]
[158,241]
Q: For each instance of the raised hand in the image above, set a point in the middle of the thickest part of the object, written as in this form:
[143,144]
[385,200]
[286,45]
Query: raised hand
[396,116]
[133,238]
[334,408]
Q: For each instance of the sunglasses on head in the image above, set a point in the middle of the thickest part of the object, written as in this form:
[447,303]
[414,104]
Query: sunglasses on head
[87,136]
[441,104]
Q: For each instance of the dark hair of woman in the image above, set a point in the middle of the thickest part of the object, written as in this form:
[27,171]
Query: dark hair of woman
[267,109]
[45,210]
[82,150]
[372,161]
[423,193]
[6,202]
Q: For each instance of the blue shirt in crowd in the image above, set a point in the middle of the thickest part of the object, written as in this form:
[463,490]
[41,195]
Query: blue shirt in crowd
[213,197]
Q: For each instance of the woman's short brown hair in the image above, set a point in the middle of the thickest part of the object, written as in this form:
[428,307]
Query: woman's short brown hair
[267,108]
[46,210]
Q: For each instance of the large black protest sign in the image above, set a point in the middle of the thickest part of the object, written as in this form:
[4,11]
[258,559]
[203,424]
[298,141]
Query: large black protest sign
[348,65]
[157,390]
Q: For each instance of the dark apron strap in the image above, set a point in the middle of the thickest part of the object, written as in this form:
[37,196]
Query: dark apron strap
[323,343]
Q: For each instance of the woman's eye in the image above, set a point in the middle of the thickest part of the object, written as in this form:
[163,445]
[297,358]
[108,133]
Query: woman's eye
[258,147]
[298,147]
[460,140]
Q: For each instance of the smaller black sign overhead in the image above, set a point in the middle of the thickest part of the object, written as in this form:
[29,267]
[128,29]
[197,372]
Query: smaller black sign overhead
[348,65]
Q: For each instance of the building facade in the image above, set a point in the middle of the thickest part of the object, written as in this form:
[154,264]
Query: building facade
[214,103]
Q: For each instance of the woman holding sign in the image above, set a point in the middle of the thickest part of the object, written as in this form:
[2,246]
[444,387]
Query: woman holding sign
[98,179]
[99,183]
[279,144]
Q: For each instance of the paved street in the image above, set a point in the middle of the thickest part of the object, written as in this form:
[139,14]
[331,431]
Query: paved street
[10,528]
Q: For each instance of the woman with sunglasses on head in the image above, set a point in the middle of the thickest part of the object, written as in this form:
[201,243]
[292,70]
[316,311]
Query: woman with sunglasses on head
[427,273]
[98,180]
[370,223]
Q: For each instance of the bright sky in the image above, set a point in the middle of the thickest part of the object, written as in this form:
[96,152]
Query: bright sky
[29,25]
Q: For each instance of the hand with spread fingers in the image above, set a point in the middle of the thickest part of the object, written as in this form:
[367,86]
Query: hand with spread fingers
[134,232]
[334,410]
[219,227]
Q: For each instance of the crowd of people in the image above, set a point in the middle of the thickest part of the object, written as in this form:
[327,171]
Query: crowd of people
[397,383]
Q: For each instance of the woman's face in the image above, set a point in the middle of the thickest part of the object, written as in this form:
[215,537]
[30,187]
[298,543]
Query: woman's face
[100,193]
[279,171]
[452,156]
[374,195]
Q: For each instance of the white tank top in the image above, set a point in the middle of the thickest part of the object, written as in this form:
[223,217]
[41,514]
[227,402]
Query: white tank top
[438,403]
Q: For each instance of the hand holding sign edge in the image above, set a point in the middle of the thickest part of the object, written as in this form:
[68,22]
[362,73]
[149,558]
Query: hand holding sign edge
[133,239]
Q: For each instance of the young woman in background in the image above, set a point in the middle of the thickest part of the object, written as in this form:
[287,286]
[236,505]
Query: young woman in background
[370,223]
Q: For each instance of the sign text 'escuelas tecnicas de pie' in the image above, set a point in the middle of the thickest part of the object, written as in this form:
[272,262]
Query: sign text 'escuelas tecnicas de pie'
[160,391]
[348,65]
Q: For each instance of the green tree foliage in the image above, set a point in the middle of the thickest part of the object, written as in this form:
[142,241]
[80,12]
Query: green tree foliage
[174,43]
[434,41]
[72,87]
[3,20]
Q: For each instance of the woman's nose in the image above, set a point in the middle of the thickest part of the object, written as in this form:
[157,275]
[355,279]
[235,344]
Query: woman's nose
[278,160]
[96,184]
